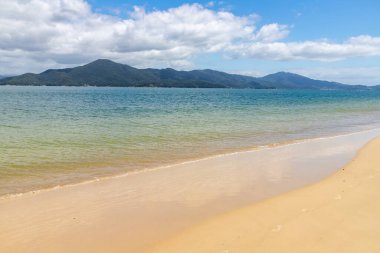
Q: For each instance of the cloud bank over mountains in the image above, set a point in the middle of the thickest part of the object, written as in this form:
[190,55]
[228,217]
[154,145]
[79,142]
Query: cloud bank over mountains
[38,34]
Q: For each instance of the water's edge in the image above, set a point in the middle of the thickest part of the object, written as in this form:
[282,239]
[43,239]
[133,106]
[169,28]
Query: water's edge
[192,161]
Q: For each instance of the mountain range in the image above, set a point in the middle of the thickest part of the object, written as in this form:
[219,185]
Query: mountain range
[104,72]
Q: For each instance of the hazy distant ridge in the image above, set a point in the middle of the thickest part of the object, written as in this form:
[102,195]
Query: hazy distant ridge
[108,73]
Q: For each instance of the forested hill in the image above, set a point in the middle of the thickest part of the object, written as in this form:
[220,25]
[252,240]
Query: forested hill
[108,73]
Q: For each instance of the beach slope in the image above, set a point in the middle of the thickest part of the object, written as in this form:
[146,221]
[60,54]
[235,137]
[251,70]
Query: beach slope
[338,214]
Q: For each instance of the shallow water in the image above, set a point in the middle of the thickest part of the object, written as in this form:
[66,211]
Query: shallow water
[57,135]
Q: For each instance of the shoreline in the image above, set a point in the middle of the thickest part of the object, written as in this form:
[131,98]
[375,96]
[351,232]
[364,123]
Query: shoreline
[147,170]
[135,212]
[337,214]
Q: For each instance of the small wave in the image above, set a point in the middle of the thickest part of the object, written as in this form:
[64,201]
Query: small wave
[10,126]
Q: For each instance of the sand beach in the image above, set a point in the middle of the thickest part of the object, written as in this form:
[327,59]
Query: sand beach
[338,214]
[199,206]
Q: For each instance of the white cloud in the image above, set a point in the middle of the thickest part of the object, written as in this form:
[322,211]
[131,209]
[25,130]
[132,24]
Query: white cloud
[310,50]
[36,34]
[272,32]
[60,30]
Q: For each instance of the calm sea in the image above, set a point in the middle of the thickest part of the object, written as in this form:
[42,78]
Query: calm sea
[52,136]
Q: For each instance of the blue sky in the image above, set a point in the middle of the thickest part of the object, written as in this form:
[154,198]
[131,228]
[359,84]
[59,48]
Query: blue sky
[333,40]
[312,19]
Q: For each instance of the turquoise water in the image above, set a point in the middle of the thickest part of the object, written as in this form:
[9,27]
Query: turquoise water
[57,135]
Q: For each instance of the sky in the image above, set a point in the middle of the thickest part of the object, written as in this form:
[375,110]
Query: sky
[333,40]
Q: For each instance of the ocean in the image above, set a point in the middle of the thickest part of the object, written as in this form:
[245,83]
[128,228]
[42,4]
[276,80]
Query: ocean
[52,136]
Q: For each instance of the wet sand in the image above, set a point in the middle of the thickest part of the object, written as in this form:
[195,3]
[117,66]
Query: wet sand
[133,213]
[338,214]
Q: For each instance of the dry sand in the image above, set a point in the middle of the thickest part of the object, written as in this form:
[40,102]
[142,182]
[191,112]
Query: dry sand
[338,214]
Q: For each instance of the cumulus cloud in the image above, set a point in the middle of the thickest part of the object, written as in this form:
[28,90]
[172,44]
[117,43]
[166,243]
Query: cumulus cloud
[67,31]
[55,33]
[309,50]
[272,32]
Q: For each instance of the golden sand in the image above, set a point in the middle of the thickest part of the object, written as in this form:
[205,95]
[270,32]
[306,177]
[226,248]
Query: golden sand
[338,214]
